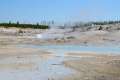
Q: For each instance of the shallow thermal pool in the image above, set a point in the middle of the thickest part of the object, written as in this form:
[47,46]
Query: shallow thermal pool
[77,48]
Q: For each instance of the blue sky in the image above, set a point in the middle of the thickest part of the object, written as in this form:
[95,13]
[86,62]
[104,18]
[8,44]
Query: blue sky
[32,11]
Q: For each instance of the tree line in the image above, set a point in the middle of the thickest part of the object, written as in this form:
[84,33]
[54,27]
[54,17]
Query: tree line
[18,25]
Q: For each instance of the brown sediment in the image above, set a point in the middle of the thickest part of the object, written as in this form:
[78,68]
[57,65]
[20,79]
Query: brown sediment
[12,57]
[17,66]
[99,67]
[13,50]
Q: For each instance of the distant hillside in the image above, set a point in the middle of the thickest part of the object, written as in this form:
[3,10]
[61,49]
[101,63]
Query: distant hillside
[105,25]
[105,22]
